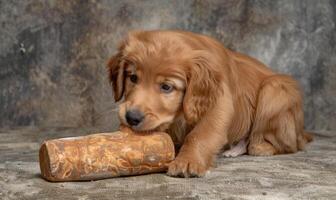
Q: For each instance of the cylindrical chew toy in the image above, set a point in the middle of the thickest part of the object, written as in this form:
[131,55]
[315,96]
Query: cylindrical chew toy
[105,155]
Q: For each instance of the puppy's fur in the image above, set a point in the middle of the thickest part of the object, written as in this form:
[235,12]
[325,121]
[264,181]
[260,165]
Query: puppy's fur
[218,98]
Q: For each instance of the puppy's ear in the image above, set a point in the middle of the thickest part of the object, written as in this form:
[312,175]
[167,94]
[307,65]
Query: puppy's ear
[116,72]
[203,86]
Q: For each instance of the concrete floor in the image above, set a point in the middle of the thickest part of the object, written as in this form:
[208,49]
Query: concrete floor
[310,174]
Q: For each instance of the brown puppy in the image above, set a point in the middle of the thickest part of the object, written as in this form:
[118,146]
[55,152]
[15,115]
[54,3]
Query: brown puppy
[206,97]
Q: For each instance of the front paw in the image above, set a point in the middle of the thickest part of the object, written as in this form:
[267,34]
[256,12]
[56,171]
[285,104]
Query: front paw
[187,167]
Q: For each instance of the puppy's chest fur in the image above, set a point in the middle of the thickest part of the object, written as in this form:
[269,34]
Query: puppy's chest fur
[178,131]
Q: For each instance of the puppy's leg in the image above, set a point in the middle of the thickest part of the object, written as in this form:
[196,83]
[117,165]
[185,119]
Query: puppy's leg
[198,151]
[237,150]
[278,125]
[202,144]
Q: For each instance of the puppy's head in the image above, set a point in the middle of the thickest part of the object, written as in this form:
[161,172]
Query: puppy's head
[159,76]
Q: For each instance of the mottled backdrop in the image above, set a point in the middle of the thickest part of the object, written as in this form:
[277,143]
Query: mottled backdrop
[53,52]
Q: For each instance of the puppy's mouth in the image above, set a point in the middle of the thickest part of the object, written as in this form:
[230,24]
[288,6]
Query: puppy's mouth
[150,123]
[140,128]
[143,129]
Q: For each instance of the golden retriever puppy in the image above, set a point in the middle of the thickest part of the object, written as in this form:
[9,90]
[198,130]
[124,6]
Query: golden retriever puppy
[206,97]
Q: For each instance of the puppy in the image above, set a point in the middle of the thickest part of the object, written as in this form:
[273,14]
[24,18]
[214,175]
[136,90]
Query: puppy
[206,97]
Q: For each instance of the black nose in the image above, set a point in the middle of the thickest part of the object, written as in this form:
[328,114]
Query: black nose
[134,117]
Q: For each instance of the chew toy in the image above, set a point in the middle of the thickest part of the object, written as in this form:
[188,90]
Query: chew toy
[105,155]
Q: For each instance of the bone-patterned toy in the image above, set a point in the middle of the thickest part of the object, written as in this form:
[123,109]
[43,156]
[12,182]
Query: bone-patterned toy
[105,155]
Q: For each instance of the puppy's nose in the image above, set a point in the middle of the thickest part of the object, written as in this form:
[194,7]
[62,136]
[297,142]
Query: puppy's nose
[134,117]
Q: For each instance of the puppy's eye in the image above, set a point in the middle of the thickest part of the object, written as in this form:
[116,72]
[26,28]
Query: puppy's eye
[166,88]
[133,78]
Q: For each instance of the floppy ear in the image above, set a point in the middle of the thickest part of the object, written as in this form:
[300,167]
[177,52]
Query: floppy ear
[203,86]
[117,75]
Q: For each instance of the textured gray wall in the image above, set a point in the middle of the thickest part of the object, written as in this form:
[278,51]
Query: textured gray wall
[53,52]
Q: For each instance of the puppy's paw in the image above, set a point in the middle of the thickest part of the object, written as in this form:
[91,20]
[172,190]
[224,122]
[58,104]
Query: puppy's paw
[186,167]
[263,149]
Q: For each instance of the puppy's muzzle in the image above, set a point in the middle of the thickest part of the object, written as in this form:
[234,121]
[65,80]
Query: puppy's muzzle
[134,117]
